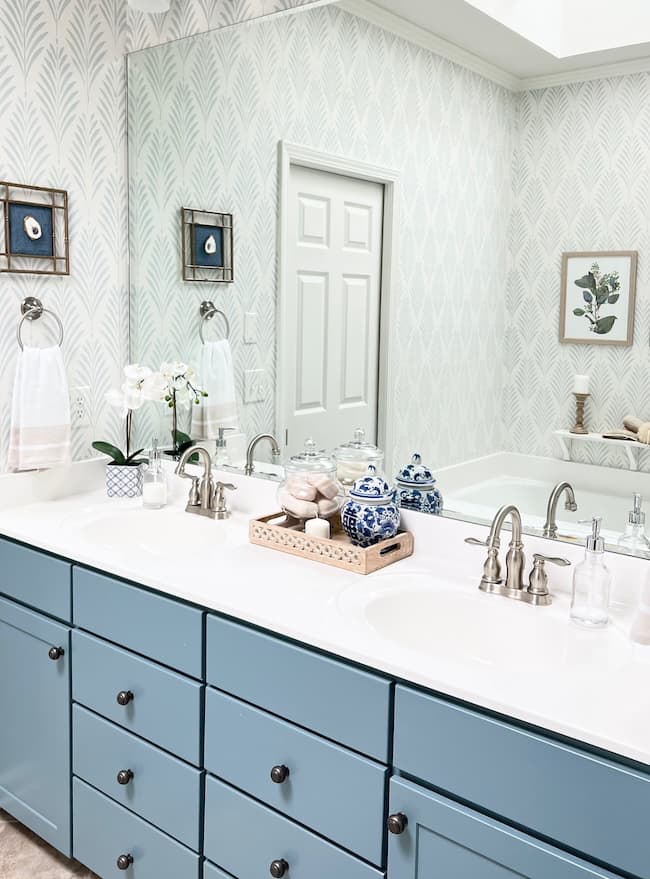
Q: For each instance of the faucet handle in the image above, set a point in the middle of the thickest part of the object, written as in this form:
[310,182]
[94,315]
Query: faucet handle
[474,541]
[538,581]
[220,506]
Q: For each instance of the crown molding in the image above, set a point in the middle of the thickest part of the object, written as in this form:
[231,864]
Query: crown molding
[427,40]
[585,74]
[421,37]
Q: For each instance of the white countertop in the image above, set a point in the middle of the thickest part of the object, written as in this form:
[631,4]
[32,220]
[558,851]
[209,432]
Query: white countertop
[422,620]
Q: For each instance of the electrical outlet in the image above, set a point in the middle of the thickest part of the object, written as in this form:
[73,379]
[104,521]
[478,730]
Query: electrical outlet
[80,405]
[254,385]
[250,328]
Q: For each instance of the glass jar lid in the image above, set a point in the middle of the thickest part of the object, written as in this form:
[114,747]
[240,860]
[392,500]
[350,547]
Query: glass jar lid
[311,460]
[358,449]
[371,487]
[415,473]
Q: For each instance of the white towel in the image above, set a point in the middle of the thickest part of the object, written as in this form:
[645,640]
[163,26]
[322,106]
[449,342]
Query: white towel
[217,378]
[40,411]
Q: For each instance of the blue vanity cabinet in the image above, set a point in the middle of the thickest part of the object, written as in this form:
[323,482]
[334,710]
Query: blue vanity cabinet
[444,839]
[35,722]
[36,579]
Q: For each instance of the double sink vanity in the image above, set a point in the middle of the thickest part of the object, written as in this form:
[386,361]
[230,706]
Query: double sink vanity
[178,703]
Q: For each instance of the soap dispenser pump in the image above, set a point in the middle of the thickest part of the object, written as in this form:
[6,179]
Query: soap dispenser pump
[221,455]
[634,537]
[591,583]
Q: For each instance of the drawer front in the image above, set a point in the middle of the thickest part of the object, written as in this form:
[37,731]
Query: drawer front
[163,790]
[329,697]
[36,579]
[165,708]
[244,838]
[157,627]
[212,872]
[443,838]
[103,831]
[584,802]
[330,789]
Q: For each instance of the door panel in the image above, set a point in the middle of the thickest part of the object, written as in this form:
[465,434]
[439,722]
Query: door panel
[444,840]
[331,301]
[35,725]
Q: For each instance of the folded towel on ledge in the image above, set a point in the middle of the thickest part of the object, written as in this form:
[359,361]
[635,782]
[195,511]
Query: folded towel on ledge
[40,411]
[217,378]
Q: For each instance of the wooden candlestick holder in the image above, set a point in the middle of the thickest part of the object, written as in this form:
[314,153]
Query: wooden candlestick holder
[579,426]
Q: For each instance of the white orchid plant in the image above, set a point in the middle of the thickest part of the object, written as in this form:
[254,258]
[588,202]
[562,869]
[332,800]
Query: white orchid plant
[173,384]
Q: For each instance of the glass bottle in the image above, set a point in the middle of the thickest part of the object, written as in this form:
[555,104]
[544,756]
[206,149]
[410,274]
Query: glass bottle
[154,486]
[634,538]
[591,583]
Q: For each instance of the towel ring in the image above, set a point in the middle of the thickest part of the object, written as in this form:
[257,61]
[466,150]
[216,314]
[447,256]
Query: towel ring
[207,311]
[32,309]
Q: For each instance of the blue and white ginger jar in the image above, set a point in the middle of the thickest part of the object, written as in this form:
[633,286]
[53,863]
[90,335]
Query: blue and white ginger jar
[415,488]
[370,514]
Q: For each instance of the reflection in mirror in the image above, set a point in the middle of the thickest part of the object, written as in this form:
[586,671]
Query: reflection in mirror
[398,230]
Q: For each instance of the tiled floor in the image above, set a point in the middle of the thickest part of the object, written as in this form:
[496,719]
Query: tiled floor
[24,856]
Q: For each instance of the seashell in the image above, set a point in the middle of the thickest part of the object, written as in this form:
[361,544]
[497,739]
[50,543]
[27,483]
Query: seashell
[32,228]
[210,245]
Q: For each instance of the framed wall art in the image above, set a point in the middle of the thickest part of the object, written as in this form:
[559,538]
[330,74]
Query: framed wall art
[598,297]
[207,238]
[33,230]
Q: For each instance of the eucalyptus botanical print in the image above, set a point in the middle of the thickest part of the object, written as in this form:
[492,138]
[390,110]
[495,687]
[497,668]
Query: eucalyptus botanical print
[598,290]
[597,297]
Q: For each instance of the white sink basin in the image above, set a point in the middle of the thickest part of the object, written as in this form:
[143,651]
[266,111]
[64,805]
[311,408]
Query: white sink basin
[155,531]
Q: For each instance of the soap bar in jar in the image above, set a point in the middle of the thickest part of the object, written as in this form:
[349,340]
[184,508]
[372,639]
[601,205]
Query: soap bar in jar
[310,488]
[354,457]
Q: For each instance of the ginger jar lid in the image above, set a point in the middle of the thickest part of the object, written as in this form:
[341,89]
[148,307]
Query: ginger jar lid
[372,487]
[358,449]
[415,473]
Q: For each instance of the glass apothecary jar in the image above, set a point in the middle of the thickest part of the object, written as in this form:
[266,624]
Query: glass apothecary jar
[310,488]
[354,457]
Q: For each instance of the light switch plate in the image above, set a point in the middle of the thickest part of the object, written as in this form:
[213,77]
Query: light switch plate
[254,385]
[250,328]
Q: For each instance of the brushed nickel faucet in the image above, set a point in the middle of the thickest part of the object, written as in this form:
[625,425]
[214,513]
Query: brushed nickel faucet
[492,582]
[206,497]
[550,526]
[275,448]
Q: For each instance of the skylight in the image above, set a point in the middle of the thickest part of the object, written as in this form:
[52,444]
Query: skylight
[573,27]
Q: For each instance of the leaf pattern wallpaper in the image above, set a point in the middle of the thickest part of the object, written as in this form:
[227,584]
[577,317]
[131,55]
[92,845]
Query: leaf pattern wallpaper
[580,181]
[63,124]
[205,119]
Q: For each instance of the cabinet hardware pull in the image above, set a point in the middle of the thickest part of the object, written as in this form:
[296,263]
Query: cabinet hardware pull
[124,862]
[279,774]
[124,776]
[124,697]
[279,868]
[397,823]
[56,653]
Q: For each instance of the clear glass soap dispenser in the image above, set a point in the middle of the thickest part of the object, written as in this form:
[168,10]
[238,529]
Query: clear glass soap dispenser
[634,537]
[591,583]
[154,484]
[221,455]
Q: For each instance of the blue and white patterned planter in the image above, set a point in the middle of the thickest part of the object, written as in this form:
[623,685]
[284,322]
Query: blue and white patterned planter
[123,481]
[370,515]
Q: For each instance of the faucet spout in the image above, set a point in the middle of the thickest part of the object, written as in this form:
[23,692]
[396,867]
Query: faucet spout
[550,526]
[250,451]
[202,489]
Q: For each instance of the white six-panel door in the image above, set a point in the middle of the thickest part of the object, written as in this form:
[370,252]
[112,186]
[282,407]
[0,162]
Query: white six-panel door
[331,303]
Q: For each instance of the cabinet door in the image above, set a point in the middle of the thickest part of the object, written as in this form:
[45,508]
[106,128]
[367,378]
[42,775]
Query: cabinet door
[444,840]
[35,723]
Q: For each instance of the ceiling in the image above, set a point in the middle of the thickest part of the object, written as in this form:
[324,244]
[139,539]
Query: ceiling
[460,31]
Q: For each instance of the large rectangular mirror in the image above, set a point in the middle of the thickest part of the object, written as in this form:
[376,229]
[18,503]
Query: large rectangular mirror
[398,226]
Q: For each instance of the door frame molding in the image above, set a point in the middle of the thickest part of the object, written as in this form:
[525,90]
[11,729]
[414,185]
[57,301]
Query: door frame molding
[290,154]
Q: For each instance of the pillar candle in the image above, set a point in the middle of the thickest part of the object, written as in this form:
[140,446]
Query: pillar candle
[581,384]
[317,528]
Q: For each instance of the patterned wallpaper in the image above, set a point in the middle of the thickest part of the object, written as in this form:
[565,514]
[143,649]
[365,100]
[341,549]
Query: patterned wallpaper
[62,101]
[368,95]
[580,181]
[63,124]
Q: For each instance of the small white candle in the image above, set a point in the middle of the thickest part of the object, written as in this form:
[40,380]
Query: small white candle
[317,528]
[581,384]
